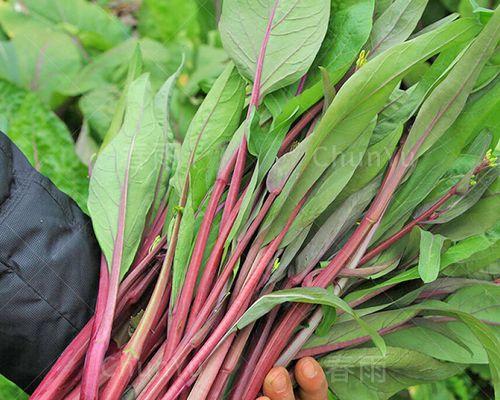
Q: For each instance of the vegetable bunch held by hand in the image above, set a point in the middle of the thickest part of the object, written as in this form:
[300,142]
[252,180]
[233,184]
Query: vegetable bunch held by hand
[334,204]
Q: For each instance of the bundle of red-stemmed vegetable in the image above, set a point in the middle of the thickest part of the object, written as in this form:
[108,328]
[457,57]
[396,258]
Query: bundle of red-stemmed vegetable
[342,162]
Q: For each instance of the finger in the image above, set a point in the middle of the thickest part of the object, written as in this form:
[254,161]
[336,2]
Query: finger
[263,398]
[277,385]
[311,379]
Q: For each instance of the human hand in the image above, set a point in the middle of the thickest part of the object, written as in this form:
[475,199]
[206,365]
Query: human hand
[310,377]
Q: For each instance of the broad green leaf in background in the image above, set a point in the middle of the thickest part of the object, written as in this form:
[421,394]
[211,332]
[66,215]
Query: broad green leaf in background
[112,66]
[98,107]
[167,21]
[348,30]
[365,374]
[209,63]
[132,158]
[42,61]
[44,140]
[135,67]
[91,25]
[297,28]
[380,7]
[309,295]
[395,24]
[429,260]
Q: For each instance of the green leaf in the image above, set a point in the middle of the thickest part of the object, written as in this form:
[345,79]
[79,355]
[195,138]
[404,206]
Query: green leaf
[346,330]
[10,391]
[112,66]
[125,175]
[42,61]
[309,295]
[365,374]
[88,23]
[162,106]
[475,221]
[445,103]
[348,30]
[466,201]
[429,260]
[209,64]
[134,70]
[466,248]
[296,32]
[395,24]
[98,107]
[209,132]
[330,184]
[479,113]
[201,153]
[337,222]
[170,20]
[328,319]
[478,261]
[44,140]
[468,306]
[353,109]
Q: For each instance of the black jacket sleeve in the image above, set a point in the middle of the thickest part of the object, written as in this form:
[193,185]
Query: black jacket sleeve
[49,262]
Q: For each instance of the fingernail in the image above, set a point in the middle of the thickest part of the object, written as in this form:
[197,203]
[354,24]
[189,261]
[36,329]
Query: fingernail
[279,383]
[309,369]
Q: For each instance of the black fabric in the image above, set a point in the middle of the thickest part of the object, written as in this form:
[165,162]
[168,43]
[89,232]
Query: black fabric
[49,261]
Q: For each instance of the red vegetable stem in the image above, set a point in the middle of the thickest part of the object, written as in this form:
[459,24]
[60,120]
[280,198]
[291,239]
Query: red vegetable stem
[236,178]
[210,271]
[152,234]
[112,360]
[255,353]
[235,310]
[181,308]
[145,376]
[55,382]
[141,267]
[200,316]
[234,187]
[225,358]
[135,346]
[407,229]
[103,323]
[210,370]
[299,126]
[156,386]
[297,312]
[230,363]
[302,83]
